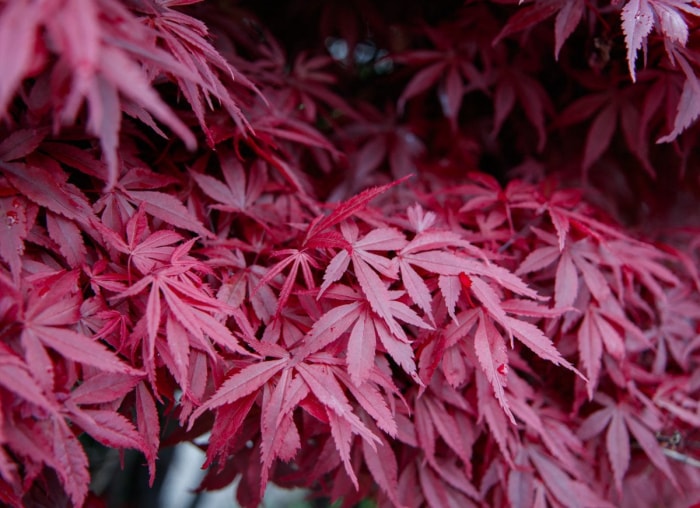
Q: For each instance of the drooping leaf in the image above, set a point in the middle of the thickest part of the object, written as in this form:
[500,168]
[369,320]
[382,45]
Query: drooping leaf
[637,22]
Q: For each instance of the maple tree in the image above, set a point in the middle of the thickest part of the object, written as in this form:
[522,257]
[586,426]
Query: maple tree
[431,255]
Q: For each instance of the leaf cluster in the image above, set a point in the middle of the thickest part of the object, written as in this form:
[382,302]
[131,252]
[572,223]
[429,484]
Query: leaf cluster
[401,256]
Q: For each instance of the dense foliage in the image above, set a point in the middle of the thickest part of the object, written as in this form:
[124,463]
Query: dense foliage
[434,254]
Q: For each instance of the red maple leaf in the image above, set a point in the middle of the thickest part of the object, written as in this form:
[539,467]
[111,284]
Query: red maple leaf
[146,251]
[569,15]
[49,315]
[178,297]
[289,382]
[448,66]
[367,329]
[239,191]
[622,418]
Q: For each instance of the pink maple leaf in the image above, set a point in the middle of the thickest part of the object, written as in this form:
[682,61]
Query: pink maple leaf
[49,315]
[290,382]
[622,418]
[366,330]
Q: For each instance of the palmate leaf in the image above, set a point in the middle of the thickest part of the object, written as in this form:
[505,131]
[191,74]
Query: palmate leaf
[589,275]
[343,421]
[175,291]
[610,110]
[512,86]
[306,85]
[381,139]
[187,41]
[114,72]
[241,190]
[488,341]
[569,14]
[289,382]
[449,68]
[366,264]
[294,259]
[51,442]
[115,207]
[366,329]
[146,251]
[598,332]
[51,312]
[622,420]
[441,413]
